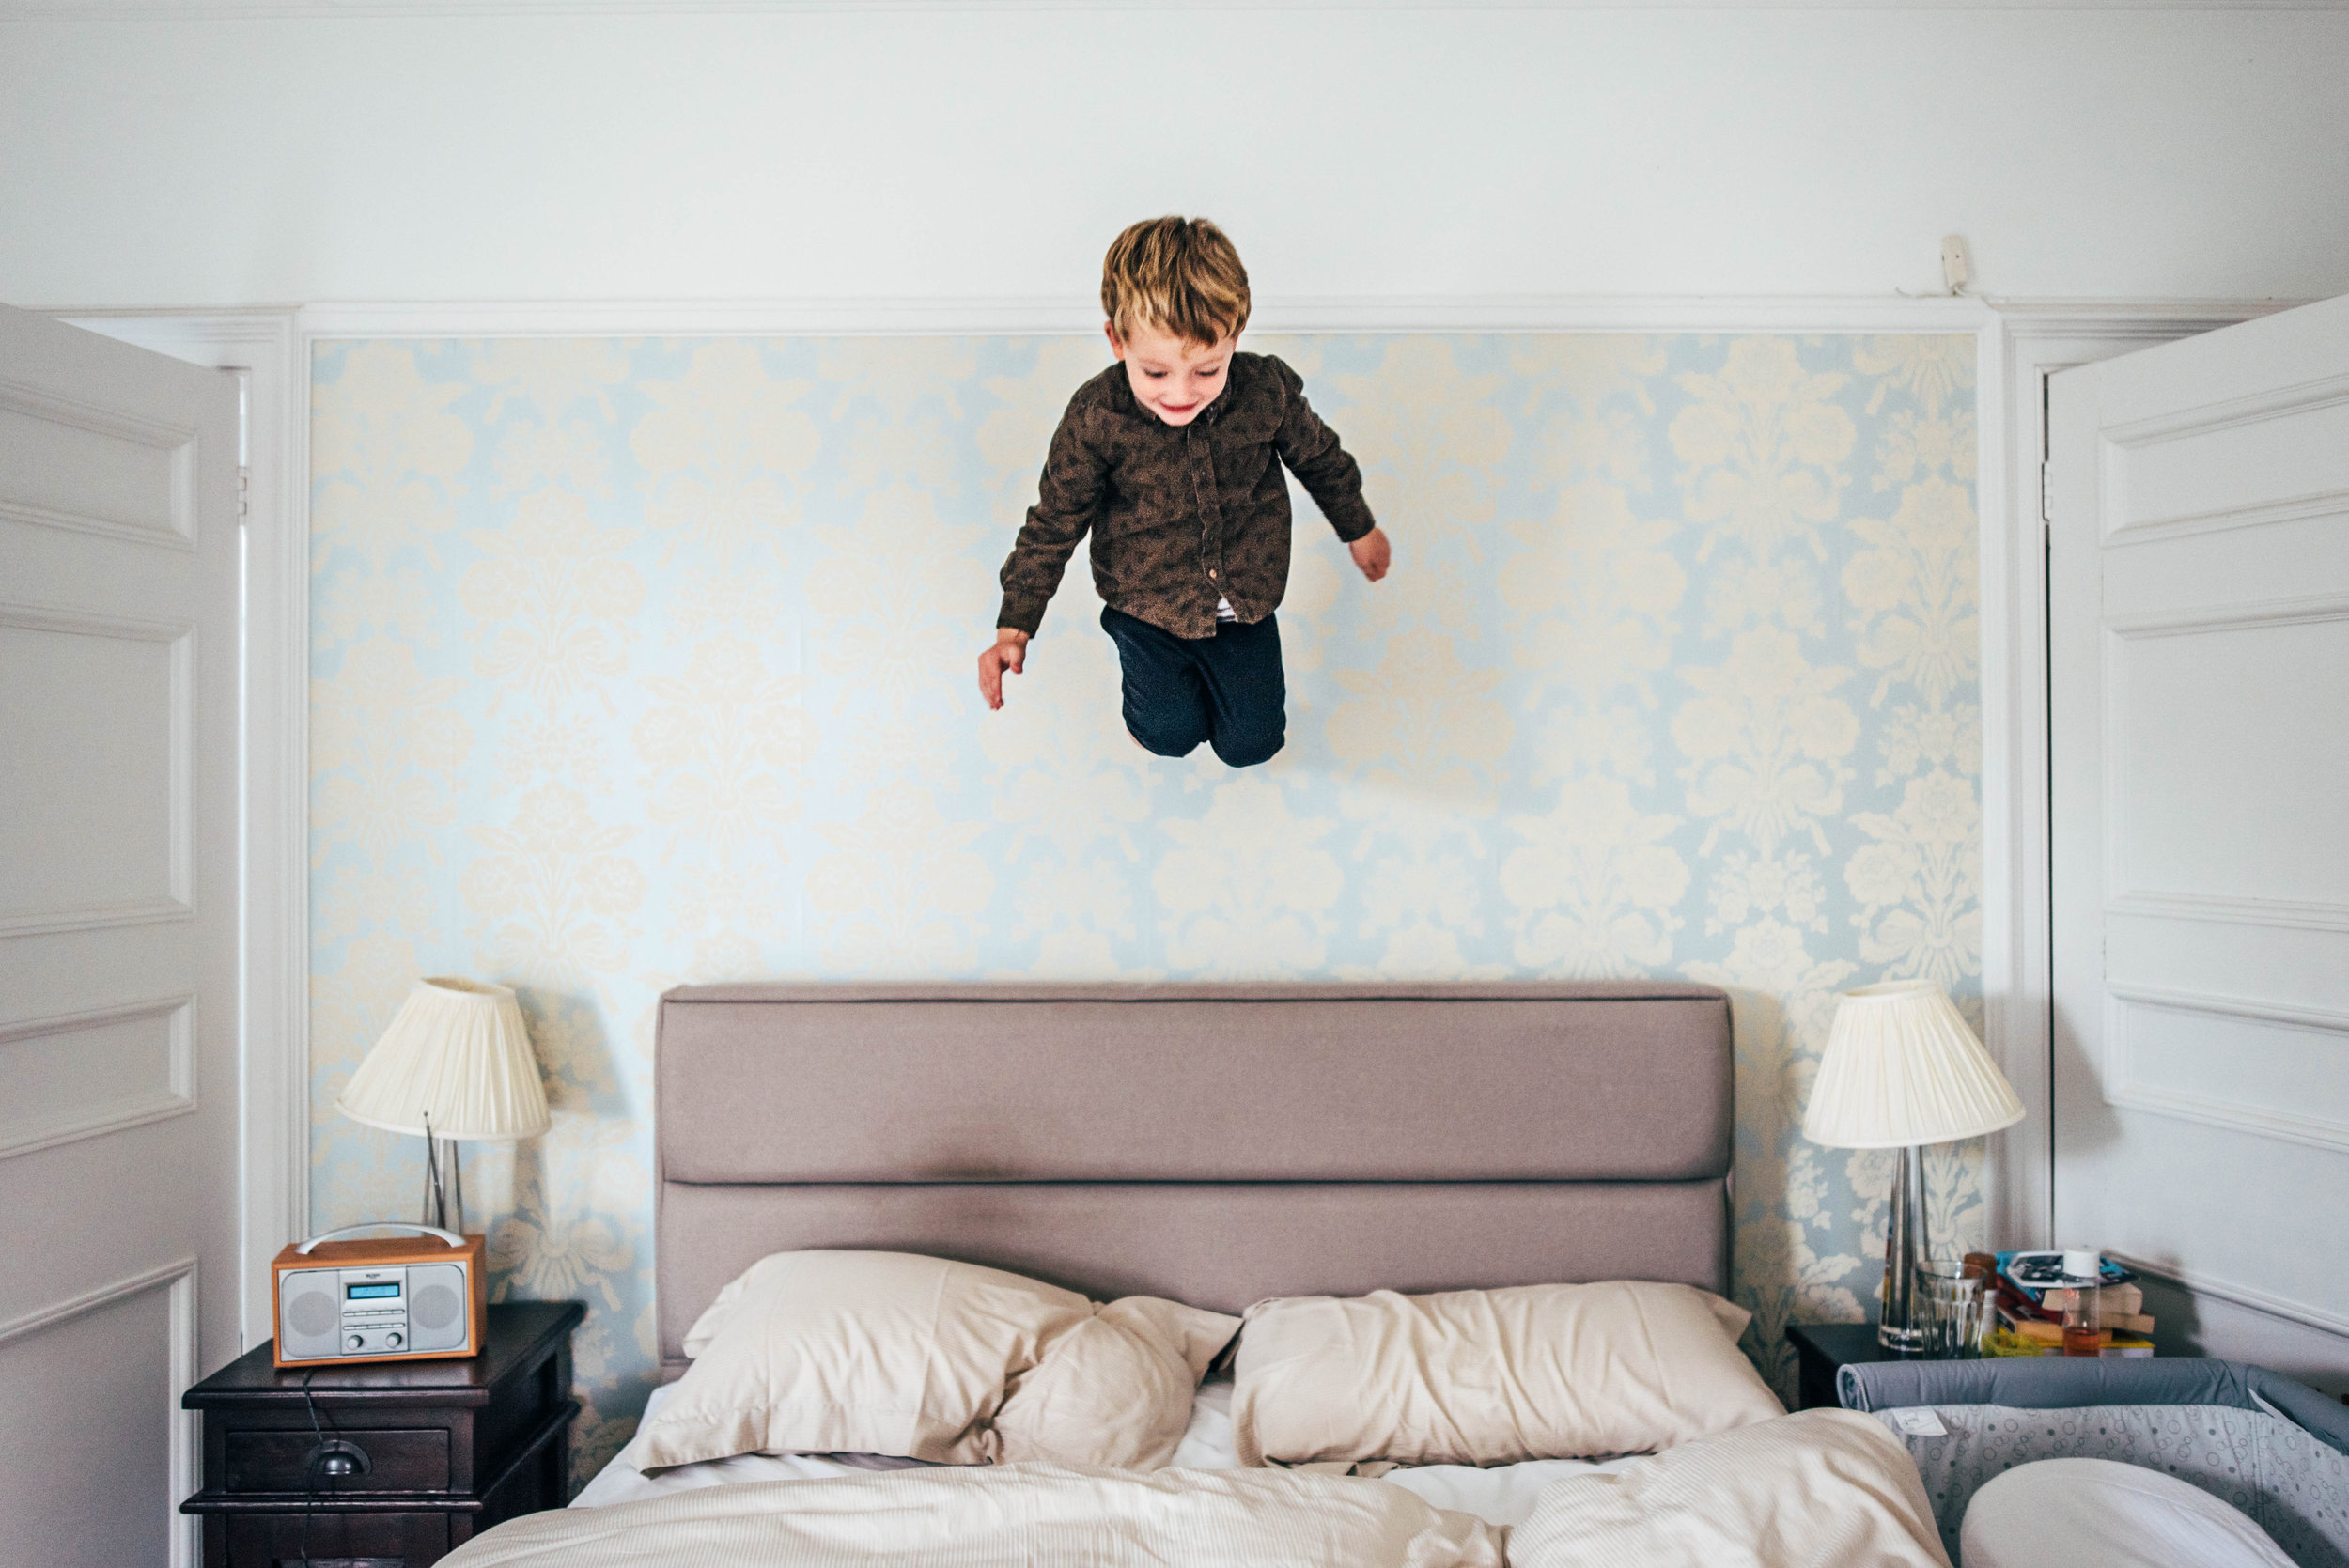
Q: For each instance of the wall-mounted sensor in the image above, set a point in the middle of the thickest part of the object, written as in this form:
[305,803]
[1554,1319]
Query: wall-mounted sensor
[1957,268]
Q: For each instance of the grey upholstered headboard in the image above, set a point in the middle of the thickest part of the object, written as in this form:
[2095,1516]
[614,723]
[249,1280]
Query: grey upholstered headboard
[1218,1144]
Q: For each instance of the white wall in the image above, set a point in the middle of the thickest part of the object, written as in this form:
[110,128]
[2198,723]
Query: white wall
[992,154]
[2196,1323]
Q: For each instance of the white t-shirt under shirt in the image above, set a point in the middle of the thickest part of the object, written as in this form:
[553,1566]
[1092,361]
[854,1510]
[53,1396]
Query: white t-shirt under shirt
[1224,610]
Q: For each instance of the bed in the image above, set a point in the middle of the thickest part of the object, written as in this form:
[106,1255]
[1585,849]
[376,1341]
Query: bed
[1216,1145]
[1221,1145]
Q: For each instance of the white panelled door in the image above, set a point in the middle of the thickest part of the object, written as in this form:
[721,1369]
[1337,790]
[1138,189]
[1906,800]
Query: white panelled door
[118,1001]
[2199,649]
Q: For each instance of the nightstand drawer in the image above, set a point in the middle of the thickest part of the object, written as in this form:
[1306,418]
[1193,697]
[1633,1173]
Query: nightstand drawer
[344,1540]
[393,1461]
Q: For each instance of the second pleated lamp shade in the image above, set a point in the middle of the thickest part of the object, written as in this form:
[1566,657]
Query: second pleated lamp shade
[457,1052]
[1901,1068]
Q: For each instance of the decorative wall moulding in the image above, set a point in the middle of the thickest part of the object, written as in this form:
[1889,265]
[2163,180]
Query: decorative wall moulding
[176,898]
[105,1107]
[2306,610]
[174,529]
[184,1427]
[978,317]
[298,9]
[2242,1296]
[2154,320]
[2302,508]
[180,1274]
[2297,914]
[2229,412]
[2127,1087]
[2233,1007]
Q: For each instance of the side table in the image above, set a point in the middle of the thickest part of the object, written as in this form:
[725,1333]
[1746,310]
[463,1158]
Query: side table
[1823,1349]
[431,1452]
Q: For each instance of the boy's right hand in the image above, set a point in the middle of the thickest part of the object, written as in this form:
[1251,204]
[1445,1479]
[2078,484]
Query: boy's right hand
[1009,653]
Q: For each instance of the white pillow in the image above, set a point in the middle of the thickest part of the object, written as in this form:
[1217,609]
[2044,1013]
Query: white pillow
[1117,1390]
[1491,1377]
[2101,1513]
[891,1353]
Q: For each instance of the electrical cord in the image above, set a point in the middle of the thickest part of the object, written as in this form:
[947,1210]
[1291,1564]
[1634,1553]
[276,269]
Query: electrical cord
[310,1470]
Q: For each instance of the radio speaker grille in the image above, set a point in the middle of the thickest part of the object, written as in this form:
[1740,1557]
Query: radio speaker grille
[436,1307]
[312,1303]
[312,1313]
[436,1311]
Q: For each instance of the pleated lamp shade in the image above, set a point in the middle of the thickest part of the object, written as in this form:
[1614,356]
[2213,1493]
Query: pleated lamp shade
[1901,1068]
[455,1051]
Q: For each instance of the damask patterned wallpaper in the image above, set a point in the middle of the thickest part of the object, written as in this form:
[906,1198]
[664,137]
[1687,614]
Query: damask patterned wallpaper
[638,662]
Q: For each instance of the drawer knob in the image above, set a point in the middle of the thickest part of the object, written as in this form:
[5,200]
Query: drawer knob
[338,1460]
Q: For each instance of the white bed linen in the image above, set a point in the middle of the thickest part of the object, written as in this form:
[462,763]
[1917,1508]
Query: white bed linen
[1817,1489]
[1501,1496]
[1017,1515]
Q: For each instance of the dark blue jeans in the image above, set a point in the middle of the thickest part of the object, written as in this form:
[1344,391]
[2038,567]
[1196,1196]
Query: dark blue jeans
[1225,689]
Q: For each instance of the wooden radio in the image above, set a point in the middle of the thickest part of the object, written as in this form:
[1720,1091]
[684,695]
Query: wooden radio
[395,1299]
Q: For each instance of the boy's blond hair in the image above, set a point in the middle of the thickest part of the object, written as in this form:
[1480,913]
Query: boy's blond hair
[1177,275]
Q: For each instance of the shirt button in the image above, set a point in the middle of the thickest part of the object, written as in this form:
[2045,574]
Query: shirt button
[1210,571]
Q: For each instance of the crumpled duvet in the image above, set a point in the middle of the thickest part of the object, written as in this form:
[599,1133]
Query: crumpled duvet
[1822,1489]
[1006,1516]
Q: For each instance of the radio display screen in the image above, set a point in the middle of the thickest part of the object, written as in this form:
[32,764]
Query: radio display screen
[365,1293]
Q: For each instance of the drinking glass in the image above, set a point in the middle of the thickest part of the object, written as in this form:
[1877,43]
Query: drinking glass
[1955,1306]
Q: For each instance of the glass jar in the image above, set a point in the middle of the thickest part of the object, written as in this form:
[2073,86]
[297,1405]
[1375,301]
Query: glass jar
[2083,1280]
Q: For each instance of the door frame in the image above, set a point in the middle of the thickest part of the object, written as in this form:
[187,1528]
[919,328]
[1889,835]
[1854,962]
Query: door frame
[2018,345]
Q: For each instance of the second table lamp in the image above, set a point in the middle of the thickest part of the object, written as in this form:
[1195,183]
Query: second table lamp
[455,1062]
[1902,1070]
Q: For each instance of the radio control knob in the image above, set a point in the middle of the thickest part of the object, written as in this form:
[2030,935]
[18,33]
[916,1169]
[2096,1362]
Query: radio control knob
[353,1341]
[392,1339]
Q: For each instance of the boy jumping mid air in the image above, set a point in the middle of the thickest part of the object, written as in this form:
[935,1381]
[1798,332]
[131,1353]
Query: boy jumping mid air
[1166,458]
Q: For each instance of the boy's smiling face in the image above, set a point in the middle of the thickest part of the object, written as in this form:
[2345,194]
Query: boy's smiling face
[1173,377]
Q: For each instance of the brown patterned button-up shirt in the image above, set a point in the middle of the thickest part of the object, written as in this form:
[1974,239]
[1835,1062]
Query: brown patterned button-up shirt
[1181,514]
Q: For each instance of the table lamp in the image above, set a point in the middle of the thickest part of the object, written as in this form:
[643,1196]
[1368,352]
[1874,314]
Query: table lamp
[1902,1070]
[456,1063]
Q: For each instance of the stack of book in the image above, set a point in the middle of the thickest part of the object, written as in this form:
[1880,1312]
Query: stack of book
[2029,1299]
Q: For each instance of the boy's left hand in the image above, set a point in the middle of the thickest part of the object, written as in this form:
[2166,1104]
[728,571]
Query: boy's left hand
[1372,554]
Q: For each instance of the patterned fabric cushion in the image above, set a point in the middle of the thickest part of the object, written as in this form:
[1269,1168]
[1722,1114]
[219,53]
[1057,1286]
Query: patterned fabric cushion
[2291,1485]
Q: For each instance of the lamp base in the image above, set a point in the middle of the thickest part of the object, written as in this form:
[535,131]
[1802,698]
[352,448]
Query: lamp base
[444,1183]
[1900,1328]
[1901,1342]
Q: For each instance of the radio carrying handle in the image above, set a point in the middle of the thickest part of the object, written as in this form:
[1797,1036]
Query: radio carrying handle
[449,1236]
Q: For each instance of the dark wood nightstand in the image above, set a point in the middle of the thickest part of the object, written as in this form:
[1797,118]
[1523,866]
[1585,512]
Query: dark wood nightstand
[1821,1350]
[442,1450]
